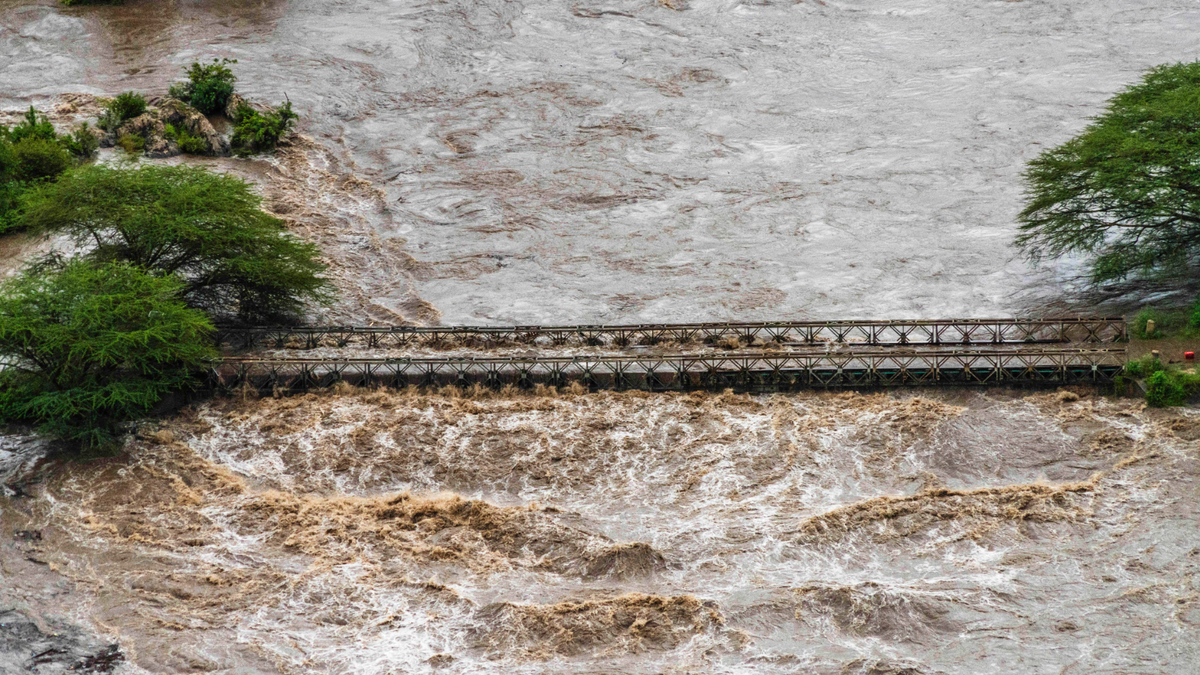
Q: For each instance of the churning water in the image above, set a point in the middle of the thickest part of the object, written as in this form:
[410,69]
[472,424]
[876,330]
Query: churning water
[384,532]
[483,161]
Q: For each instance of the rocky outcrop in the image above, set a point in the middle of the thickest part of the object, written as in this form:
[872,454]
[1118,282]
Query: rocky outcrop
[186,118]
[151,128]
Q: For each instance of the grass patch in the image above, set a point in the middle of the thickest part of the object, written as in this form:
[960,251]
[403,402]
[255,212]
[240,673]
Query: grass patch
[1168,323]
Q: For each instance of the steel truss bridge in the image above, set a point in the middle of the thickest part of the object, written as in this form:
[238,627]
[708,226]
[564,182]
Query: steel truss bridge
[958,332]
[758,371]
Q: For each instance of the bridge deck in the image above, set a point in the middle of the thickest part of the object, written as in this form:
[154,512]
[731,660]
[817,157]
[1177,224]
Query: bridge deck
[780,370]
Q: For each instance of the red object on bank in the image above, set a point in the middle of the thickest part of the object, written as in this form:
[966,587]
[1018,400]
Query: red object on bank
[1189,356]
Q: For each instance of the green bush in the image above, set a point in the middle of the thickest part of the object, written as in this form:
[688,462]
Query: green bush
[10,187]
[1138,329]
[255,132]
[125,106]
[33,126]
[132,143]
[237,262]
[209,87]
[89,347]
[8,161]
[40,159]
[10,203]
[188,144]
[1167,322]
[82,142]
[1166,385]
[1164,389]
[1144,367]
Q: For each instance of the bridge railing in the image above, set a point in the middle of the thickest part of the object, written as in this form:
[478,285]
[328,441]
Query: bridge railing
[1090,330]
[745,371]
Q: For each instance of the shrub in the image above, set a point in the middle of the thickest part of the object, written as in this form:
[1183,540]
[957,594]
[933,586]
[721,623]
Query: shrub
[72,3]
[1164,389]
[1140,322]
[188,144]
[8,162]
[39,159]
[209,87]
[125,106]
[132,143]
[10,188]
[236,261]
[33,126]
[82,142]
[255,132]
[1166,385]
[88,347]
[1183,322]
[10,202]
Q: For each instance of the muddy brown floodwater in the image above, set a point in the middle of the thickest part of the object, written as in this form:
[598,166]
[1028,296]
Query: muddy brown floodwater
[625,161]
[620,161]
[562,532]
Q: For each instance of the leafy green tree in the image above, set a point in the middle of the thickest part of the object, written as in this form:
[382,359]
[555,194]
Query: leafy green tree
[236,261]
[89,347]
[1127,190]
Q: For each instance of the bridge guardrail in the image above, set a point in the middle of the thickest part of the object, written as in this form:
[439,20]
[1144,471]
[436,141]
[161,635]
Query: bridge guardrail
[1090,330]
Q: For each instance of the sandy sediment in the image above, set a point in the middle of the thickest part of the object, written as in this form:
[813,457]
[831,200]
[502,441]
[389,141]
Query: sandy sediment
[633,622]
[444,527]
[901,516]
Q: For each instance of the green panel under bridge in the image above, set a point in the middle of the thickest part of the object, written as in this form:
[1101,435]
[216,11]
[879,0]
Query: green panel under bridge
[949,332]
[756,371]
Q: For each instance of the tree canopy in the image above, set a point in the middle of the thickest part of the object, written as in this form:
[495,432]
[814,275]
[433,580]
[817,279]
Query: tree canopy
[235,261]
[88,346]
[1127,190]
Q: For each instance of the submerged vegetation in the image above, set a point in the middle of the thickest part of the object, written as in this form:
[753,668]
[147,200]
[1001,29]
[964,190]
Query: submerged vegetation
[256,132]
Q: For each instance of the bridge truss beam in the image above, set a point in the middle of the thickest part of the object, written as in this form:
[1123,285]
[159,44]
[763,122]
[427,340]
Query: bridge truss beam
[749,371]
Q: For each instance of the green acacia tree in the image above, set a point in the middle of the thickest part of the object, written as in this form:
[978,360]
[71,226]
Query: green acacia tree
[236,261]
[1127,190]
[88,347]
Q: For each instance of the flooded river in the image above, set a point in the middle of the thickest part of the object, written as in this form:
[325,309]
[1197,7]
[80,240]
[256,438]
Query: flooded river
[483,161]
[375,532]
[620,161]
